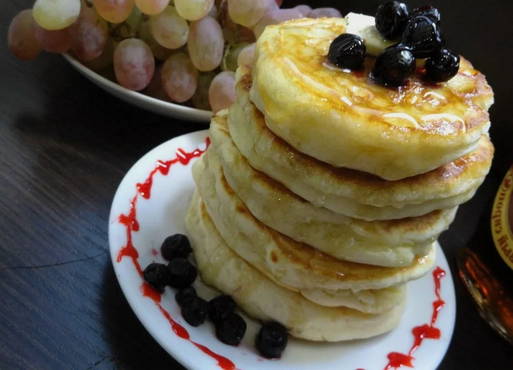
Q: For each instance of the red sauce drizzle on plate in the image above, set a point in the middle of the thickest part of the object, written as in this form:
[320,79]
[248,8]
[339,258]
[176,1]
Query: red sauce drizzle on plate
[131,224]
[129,221]
[426,331]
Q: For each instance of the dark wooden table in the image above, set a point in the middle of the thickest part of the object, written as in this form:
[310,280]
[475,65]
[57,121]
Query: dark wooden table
[65,146]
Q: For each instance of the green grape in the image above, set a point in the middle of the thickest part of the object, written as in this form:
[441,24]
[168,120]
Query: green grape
[56,14]
[152,7]
[231,55]
[128,28]
[169,29]
[192,10]
[161,53]
[248,12]
[135,19]
[200,98]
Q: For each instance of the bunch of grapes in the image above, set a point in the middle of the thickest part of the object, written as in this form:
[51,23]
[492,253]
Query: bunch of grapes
[183,51]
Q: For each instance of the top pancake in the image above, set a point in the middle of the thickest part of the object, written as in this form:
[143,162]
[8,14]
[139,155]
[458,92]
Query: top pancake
[346,120]
[352,193]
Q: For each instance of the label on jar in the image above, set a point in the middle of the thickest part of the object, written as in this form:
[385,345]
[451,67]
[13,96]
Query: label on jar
[502,219]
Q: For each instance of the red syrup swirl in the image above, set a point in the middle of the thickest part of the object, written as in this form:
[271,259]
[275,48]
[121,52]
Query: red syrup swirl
[131,224]
[426,331]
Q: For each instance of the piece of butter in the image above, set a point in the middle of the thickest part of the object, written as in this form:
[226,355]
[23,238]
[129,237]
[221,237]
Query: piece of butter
[364,26]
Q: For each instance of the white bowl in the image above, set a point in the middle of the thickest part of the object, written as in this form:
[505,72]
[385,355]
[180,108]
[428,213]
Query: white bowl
[140,100]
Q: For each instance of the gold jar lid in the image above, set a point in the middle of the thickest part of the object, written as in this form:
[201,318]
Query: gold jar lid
[502,219]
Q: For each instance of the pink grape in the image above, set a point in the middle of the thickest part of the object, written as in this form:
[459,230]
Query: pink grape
[192,10]
[248,12]
[221,93]
[53,41]
[303,9]
[206,44]
[274,17]
[21,37]
[179,77]
[247,56]
[89,35]
[152,7]
[169,29]
[324,12]
[104,61]
[134,64]
[155,88]
[114,11]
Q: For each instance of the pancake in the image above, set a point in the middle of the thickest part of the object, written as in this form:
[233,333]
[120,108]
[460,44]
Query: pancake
[348,192]
[382,243]
[346,120]
[369,301]
[292,264]
[260,298]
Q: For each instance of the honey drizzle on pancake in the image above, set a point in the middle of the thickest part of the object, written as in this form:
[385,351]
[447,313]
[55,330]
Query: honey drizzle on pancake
[416,105]
[311,259]
[451,171]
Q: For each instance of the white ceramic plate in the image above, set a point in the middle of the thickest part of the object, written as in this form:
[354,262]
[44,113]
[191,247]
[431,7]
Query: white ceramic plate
[163,214]
[141,100]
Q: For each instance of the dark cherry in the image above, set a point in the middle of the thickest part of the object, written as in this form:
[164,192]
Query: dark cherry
[184,296]
[391,19]
[271,340]
[195,311]
[423,36]
[182,273]
[219,307]
[231,329]
[428,11]
[347,51]
[442,66]
[157,275]
[174,246]
[394,66]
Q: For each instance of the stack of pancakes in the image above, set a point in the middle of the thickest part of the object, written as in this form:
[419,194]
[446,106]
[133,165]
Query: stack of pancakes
[323,193]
